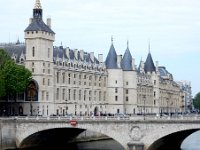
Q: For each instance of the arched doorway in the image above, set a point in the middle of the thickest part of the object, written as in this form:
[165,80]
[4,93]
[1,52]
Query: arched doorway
[96,111]
[32,94]
[32,91]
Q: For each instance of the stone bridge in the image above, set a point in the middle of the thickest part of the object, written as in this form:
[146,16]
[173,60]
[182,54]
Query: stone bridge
[128,132]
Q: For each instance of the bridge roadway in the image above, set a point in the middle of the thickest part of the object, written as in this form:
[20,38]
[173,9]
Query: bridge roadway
[131,132]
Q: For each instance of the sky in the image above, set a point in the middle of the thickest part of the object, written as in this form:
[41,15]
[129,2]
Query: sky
[171,26]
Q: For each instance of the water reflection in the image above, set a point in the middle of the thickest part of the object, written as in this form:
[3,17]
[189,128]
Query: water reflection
[94,145]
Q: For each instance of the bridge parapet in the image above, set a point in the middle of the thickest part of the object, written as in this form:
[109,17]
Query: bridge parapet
[124,130]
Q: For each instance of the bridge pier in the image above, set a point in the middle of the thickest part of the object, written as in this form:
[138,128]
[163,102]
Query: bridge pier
[135,146]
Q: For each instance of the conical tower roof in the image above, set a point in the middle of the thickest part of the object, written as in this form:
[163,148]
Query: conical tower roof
[149,64]
[111,59]
[127,60]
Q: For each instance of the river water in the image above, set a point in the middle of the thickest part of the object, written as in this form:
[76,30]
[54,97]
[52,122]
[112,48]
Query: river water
[94,145]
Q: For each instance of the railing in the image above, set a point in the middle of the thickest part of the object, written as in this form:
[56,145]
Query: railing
[104,118]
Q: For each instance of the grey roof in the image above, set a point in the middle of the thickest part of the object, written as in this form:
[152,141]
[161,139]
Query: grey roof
[38,25]
[127,61]
[14,49]
[164,73]
[111,59]
[149,65]
[60,52]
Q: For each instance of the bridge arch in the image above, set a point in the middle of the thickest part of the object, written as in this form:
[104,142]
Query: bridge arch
[28,132]
[171,141]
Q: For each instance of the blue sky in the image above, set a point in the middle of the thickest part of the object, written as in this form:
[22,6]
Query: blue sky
[173,27]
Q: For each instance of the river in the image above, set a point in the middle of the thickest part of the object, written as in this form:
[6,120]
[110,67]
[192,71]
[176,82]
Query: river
[92,145]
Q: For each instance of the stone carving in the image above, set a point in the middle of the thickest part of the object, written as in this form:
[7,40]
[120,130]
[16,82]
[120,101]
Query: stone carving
[135,133]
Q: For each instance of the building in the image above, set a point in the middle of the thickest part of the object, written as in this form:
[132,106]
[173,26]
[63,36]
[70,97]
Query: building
[187,95]
[67,81]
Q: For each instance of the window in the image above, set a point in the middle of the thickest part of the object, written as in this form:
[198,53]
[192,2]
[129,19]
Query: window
[48,71]
[48,52]
[47,96]
[42,95]
[43,81]
[74,95]
[69,95]
[33,51]
[116,90]
[154,94]
[127,98]
[79,94]
[115,81]
[48,82]
[126,91]
[57,93]
[84,95]
[33,70]
[126,83]
[63,94]
[63,77]
[154,82]
[33,64]
[57,77]
[116,98]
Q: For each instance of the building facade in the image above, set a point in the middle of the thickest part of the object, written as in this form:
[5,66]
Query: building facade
[67,81]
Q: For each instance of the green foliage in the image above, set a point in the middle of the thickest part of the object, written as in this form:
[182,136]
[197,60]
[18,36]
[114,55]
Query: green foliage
[196,101]
[13,78]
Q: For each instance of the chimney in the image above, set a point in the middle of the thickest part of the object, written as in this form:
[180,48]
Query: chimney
[76,54]
[81,54]
[100,58]
[133,63]
[119,60]
[30,20]
[157,65]
[49,22]
[92,56]
[67,52]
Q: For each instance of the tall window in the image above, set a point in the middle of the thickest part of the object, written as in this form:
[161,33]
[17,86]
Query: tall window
[116,90]
[47,96]
[63,77]
[126,91]
[33,51]
[48,52]
[63,94]
[116,98]
[79,94]
[57,94]
[57,77]
[74,95]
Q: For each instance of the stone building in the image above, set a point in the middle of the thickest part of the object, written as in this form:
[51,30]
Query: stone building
[71,81]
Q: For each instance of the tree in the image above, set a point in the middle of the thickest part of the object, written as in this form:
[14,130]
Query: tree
[196,101]
[13,78]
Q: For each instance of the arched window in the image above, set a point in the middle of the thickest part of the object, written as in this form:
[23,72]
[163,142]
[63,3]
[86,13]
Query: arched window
[33,51]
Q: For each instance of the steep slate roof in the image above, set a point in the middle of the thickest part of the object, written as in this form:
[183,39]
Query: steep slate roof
[37,23]
[164,73]
[60,52]
[127,61]
[149,65]
[111,59]
[16,50]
